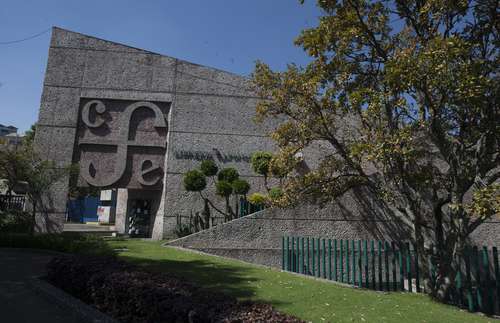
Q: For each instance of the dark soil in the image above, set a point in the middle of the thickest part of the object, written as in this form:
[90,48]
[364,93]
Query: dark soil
[130,294]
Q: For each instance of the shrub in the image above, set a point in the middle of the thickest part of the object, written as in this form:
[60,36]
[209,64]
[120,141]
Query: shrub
[228,174]
[130,294]
[260,162]
[275,193]
[15,221]
[85,244]
[224,188]
[209,168]
[257,199]
[194,181]
[240,187]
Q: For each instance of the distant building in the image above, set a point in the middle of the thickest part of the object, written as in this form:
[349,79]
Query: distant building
[5,130]
[9,138]
[12,140]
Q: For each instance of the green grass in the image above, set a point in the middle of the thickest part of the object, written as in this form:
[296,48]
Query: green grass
[310,299]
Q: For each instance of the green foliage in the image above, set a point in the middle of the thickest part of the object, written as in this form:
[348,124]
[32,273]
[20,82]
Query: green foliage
[273,286]
[417,100]
[257,199]
[15,221]
[209,168]
[29,136]
[223,188]
[182,229]
[275,193]
[228,174]
[87,244]
[194,181]
[240,187]
[23,165]
[261,161]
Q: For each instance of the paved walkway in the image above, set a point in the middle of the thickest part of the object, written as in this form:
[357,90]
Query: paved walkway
[18,302]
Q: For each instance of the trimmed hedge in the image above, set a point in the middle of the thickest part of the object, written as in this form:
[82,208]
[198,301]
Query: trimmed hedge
[86,244]
[130,294]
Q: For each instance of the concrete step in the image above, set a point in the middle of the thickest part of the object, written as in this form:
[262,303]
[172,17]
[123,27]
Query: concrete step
[89,228]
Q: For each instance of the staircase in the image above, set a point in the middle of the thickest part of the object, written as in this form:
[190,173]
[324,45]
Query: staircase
[95,229]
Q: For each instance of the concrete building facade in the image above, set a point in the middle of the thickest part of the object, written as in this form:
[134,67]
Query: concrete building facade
[137,121]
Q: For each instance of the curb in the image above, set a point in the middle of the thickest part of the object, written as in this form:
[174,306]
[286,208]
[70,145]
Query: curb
[83,313]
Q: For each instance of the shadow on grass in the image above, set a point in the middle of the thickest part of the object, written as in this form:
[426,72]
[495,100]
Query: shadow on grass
[230,280]
[226,279]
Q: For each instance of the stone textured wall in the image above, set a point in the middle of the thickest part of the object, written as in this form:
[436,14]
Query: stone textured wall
[257,238]
[208,112]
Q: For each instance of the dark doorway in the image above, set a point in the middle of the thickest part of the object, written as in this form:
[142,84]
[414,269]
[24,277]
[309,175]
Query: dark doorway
[139,218]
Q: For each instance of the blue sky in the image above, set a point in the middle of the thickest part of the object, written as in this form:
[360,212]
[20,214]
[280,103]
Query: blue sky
[225,34]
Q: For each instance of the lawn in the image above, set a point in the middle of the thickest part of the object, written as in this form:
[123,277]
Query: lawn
[311,299]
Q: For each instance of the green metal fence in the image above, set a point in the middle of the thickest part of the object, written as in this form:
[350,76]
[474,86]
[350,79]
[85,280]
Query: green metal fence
[392,266]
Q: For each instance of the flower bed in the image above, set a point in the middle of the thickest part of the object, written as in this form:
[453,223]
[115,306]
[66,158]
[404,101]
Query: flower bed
[129,294]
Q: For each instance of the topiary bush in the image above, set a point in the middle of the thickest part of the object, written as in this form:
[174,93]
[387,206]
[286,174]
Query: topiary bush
[224,188]
[257,199]
[209,168]
[228,174]
[194,181]
[240,187]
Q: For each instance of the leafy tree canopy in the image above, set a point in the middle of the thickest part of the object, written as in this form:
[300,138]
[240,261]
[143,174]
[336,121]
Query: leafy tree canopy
[261,161]
[408,90]
[228,174]
[240,187]
[209,168]
[224,188]
[194,181]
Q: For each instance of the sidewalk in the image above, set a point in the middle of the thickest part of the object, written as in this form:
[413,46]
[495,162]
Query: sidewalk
[18,302]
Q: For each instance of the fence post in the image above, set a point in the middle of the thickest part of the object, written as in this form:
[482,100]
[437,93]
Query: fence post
[302,271]
[487,295]
[330,259]
[342,260]
[380,266]
[353,243]
[401,270]
[336,278]
[308,268]
[287,254]
[283,253]
[319,258]
[417,269]
[360,265]
[292,254]
[408,267]
[468,279]
[387,273]
[394,278]
[497,274]
[367,277]
[374,274]
[297,262]
[313,256]
[324,258]
[347,264]
[475,259]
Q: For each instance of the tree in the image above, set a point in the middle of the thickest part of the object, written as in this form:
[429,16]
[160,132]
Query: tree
[25,166]
[410,89]
[228,184]
[29,136]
